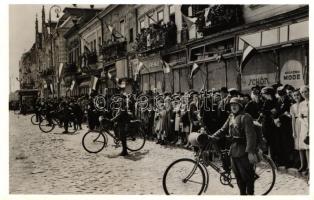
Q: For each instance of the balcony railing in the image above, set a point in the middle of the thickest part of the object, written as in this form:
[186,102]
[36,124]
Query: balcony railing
[88,58]
[112,50]
[70,69]
[156,36]
[47,72]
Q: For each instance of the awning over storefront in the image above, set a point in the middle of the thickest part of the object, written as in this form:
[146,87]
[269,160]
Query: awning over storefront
[85,84]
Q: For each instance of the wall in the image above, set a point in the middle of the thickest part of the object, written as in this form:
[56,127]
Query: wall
[253,13]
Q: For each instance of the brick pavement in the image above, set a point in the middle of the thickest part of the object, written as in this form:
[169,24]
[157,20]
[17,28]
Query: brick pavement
[56,163]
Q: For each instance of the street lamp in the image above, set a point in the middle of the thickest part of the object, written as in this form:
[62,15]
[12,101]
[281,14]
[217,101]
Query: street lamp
[57,10]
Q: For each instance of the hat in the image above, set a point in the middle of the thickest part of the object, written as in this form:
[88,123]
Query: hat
[236,100]
[232,90]
[268,90]
[256,87]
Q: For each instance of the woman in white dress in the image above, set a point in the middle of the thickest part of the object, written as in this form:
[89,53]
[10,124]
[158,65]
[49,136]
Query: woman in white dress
[304,118]
[296,127]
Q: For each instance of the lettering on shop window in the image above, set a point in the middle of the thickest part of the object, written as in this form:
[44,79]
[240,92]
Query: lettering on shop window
[258,81]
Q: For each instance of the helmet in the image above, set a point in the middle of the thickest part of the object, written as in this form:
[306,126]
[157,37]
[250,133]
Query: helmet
[236,100]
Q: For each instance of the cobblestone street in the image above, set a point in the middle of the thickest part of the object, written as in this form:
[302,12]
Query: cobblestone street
[56,163]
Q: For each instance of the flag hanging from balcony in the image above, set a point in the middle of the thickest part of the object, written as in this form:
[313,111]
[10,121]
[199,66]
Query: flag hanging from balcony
[190,21]
[195,68]
[60,69]
[94,80]
[248,52]
[116,34]
[72,85]
[109,75]
[165,67]
[51,88]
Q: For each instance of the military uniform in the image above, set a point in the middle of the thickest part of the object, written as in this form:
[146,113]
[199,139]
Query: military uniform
[239,127]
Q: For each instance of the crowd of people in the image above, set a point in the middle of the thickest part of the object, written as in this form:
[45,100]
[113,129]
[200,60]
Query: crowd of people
[169,118]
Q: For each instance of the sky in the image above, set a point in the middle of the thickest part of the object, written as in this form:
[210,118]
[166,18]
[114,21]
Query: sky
[22,32]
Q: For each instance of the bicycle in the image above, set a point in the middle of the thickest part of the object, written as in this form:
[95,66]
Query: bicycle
[96,140]
[193,174]
[46,125]
[36,121]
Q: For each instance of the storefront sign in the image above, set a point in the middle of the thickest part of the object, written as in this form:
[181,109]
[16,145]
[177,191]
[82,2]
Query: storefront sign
[249,81]
[292,74]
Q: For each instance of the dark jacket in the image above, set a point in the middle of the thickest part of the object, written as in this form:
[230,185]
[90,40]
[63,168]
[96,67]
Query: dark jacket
[241,132]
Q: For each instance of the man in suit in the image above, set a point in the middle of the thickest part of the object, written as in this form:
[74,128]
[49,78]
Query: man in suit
[240,129]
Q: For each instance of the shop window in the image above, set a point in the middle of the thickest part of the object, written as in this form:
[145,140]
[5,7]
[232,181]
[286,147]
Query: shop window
[253,39]
[283,36]
[299,30]
[270,37]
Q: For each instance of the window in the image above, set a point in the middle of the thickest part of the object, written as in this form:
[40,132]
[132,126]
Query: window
[283,35]
[142,25]
[299,30]
[160,16]
[270,37]
[99,41]
[122,23]
[150,19]
[171,9]
[131,35]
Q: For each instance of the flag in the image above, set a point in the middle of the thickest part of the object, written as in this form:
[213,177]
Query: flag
[72,85]
[138,69]
[60,69]
[51,88]
[109,75]
[45,84]
[94,80]
[165,66]
[114,32]
[190,21]
[207,23]
[248,52]
[195,68]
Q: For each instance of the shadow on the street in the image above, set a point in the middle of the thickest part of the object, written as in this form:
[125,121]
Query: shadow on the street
[137,155]
[61,133]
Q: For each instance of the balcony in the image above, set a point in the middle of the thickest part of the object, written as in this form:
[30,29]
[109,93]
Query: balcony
[47,72]
[156,36]
[70,69]
[112,50]
[219,18]
[89,58]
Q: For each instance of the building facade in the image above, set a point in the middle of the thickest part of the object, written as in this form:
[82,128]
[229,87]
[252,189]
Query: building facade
[112,43]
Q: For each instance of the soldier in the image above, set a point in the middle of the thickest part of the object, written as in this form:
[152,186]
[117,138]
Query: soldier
[122,119]
[240,129]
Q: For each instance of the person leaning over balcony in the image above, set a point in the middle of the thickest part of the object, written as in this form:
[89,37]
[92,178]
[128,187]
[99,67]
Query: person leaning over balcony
[239,127]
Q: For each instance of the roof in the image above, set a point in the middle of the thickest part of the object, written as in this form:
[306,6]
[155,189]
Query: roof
[83,19]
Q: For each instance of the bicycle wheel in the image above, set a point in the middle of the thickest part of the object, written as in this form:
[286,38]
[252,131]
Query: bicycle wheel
[45,127]
[184,177]
[33,119]
[136,141]
[94,141]
[265,176]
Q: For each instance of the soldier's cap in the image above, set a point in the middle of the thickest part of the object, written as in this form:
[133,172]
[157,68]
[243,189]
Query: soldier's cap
[256,87]
[236,100]
[224,89]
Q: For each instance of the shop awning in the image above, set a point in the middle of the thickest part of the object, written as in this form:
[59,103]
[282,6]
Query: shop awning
[85,83]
